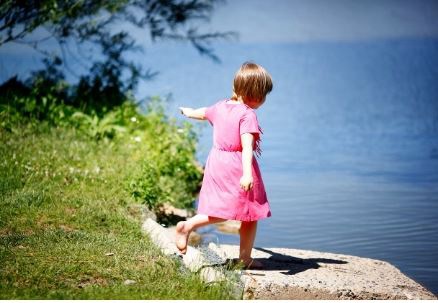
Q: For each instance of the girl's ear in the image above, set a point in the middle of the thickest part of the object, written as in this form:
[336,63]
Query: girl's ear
[234,97]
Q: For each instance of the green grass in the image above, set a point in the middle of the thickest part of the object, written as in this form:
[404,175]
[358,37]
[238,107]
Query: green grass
[69,228]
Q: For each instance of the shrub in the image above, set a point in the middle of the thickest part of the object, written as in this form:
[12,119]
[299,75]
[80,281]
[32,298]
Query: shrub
[168,168]
[169,171]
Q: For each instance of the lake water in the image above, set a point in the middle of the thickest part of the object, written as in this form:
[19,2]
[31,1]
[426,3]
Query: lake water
[350,145]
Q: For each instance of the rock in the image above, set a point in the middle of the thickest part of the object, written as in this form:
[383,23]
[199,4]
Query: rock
[162,237]
[129,282]
[194,238]
[169,210]
[168,215]
[229,227]
[147,214]
[296,274]
[203,261]
[321,275]
[140,212]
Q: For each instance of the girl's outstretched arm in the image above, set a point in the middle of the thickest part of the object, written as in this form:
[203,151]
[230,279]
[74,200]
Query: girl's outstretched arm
[198,113]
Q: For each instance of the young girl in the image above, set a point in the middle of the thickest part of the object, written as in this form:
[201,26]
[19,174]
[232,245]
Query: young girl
[232,187]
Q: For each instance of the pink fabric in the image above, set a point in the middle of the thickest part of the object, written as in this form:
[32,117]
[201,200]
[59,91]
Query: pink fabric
[221,195]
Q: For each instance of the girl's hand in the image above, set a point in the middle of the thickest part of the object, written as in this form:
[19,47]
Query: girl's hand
[185,111]
[246,182]
[198,113]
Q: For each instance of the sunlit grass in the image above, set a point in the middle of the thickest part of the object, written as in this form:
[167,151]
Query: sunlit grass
[69,228]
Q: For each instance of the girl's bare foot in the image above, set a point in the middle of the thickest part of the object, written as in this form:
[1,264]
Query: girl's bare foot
[244,264]
[182,236]
[252,264]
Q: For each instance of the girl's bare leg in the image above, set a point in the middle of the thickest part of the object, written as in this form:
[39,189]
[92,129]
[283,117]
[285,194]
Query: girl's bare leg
[184,228]
[247,237]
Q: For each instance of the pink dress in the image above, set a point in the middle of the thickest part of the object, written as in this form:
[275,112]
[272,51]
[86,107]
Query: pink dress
[221,195]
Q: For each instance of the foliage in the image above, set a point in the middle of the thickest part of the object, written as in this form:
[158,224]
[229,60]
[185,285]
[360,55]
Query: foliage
[47,88]
[169,163]
[107,26]
[70,230]
[16,108]
[169,171]
[99,128]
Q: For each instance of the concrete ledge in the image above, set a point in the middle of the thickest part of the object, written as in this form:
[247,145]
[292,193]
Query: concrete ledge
[303,274]
[204,261]
[296,274]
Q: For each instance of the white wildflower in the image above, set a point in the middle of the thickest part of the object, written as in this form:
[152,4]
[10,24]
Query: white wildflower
[180,130]
[137,139]
[134,119]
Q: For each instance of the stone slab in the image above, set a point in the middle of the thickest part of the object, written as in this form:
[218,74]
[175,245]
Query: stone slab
[204,261]
[303,274]
[296,274]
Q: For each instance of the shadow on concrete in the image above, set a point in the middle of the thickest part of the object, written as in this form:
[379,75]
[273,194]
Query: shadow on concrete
[287,265]
[291,265]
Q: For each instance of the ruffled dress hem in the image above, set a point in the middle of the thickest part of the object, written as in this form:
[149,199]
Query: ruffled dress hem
[235,217]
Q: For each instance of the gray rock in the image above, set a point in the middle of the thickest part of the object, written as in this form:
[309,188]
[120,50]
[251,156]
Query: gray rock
[296,274]
[229,227]
[129,282]
[169,209]
[147,214]
[303,274]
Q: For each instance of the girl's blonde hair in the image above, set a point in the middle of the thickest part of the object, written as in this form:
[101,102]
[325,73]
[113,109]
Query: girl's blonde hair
[251,81]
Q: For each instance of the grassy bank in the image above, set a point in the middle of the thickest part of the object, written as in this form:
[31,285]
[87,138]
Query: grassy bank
[69,227]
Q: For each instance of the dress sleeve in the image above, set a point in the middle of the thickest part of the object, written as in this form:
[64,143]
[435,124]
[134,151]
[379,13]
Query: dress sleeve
[210,113]
[250,124]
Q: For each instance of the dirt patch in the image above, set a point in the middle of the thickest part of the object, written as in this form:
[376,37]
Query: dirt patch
[5,231]
[67,228]
[70,211]
[89,281]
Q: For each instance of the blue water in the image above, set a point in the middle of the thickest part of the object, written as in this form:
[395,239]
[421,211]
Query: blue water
[350,145]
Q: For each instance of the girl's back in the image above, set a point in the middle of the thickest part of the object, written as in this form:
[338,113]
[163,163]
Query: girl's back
[229,121]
